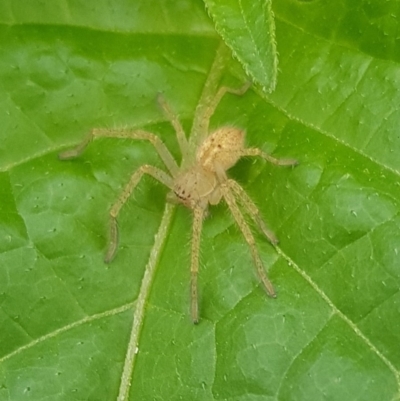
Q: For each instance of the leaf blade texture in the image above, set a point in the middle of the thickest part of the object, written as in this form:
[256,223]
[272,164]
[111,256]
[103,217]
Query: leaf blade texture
[66,317]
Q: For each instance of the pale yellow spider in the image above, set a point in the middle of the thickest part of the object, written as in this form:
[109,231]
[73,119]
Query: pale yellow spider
[200,180]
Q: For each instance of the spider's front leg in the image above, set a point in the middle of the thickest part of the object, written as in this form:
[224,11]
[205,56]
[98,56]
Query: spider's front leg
[155,172]
[198,216]
[251,209]
[245,229]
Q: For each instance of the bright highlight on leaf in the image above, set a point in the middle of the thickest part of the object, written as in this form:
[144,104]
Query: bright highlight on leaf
[248,28]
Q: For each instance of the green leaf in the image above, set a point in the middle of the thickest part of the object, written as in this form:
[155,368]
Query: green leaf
[249,30]
[66,320]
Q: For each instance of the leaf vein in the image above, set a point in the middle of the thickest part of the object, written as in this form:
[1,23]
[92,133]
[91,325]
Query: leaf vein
[341,315]
[61,330]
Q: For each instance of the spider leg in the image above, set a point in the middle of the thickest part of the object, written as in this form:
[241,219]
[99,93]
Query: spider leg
[266,156]
[251,209]
[161,149]
[115,209]
[198,215]
[204,111]
[172,117]
[219,95]
[241,222]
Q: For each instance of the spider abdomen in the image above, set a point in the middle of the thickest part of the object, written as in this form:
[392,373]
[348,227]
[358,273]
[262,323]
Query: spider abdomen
[222,148]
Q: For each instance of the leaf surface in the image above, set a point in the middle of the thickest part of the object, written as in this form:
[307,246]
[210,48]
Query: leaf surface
[248,28]
[66,318]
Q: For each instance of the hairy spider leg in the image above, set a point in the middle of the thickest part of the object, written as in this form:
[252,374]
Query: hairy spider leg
[209,111]
[198,216]
[222,91]
[155,172]
[174,120]
[161,149]
[266,156]
[251,210]
[241,222]
[211,84]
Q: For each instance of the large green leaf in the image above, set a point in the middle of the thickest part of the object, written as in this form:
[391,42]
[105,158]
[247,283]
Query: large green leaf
[66,321]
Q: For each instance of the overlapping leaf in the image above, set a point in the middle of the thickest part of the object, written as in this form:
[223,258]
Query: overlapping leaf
[248,28]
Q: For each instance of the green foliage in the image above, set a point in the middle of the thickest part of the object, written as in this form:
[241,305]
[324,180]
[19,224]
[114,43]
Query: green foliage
[66,318]
[248,28]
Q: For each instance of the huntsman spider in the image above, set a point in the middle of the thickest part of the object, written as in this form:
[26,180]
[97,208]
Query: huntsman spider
[200,180]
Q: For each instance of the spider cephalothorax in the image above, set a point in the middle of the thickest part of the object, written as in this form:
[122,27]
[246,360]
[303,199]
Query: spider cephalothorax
[200,184]
[200,181]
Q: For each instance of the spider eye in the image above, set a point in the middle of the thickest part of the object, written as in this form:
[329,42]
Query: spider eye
[179,195]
